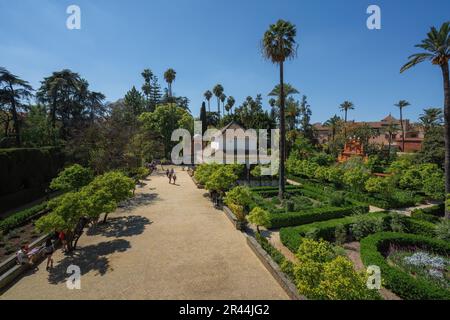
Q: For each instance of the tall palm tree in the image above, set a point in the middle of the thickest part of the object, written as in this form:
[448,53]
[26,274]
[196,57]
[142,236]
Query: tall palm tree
[218,90]
[288,90]
[170,76]
[335,124]
[391,129]
[278,45]
[208,95]
[14,91]
[431,117]
[223,97]
[345,106]
[401,105]
[437,50]
[230,103]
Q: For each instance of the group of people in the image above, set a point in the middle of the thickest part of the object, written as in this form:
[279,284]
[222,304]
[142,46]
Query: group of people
[171,175]
[27,256]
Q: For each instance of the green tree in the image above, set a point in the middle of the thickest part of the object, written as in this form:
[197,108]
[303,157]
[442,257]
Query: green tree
[230,103]
[401,105]
[222,179]
[433,150]
[147,74]
[134,101]
[279,45]
[346,106]
[430,118]
[208,95]
[164,120]
[170,76]
[203,118]
[335,125]
[14,92]
[259,217]
[218,90]
[437,50]
[72,178]
[222,98]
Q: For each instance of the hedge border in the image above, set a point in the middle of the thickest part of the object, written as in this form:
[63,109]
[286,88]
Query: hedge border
[401,283]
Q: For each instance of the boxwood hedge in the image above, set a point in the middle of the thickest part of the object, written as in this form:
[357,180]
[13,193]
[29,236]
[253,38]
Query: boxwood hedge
[279,220]
[17,219]
[291,237]
[374,249]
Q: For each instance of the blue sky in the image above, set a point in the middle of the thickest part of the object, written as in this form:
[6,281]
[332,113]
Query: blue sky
[218,41]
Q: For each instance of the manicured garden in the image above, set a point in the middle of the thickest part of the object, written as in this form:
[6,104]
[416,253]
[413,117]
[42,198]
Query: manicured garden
[319,217]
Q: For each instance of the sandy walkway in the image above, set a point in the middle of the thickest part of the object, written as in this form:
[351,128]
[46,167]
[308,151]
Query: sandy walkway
[168,244]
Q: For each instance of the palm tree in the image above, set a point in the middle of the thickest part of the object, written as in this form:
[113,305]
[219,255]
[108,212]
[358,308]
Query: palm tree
[278,45]
[391,129]
[402,104]
[223,97]
[13,92]
[208,95]
[230,103]
[345,106]
[218,90]
[170,76]
[334,123]
[288,90]
[437,47]
[431,117]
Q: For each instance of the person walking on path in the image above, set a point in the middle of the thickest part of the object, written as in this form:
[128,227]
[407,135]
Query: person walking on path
[48,251]
[174,177]
[171,174]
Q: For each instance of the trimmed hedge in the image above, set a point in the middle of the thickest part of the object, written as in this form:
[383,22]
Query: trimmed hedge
[26,172]
[401,198]
[373,250]
[279,220]
[291,237]
[21,217]
[436,211]
[286,266]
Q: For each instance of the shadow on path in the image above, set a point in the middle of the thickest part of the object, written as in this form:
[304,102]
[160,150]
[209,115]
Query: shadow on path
[138,200]
[120,227]
[89,258]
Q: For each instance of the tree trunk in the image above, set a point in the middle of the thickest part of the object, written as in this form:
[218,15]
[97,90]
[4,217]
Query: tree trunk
[209,106]
[345,125]
[282,136]
[403,130]
[15,116]
[445,74]
[218,106]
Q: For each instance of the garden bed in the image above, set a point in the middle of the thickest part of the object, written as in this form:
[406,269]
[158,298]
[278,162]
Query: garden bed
[375,250]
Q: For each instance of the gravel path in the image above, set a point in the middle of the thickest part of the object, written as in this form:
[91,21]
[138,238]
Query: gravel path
[168,243]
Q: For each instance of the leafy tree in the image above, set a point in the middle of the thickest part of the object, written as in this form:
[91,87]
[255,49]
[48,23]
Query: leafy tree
[437,50]
[364,133]
[134,101]
[164,120]
[278,45]
[13,91]
[401,105]
[37,131]
[356,178]
[222,179]
[72,178]
[208,95]
[241,196]
[433,150]
[259,217]
[218,90]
